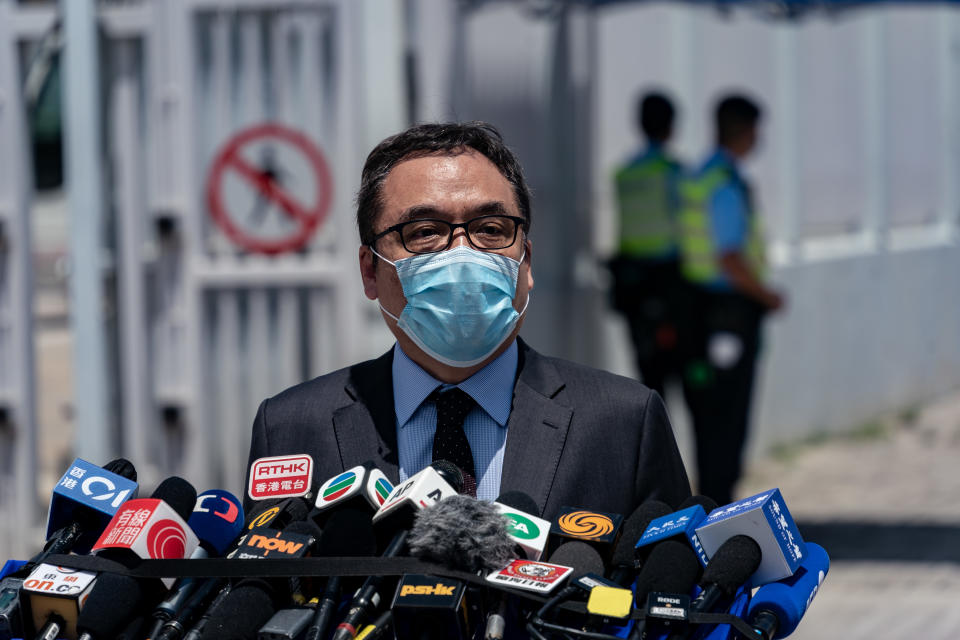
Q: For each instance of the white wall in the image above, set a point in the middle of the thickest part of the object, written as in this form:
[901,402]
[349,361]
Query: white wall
[855,177]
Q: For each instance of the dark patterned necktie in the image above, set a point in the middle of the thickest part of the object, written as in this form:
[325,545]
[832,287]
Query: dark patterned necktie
[450,442]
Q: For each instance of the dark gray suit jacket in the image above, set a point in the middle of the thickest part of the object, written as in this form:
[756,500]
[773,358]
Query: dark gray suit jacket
[576,436]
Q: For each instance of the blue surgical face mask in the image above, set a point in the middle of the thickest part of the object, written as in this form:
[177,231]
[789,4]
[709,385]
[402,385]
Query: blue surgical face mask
[459,303]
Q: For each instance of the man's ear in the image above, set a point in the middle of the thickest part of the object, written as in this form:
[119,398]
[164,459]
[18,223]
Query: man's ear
[368,272]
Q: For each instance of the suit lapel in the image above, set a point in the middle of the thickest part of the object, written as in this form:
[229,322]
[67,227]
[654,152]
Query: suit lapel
[366,428]
[537,429]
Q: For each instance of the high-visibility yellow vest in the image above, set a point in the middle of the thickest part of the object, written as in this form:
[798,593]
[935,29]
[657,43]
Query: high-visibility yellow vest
[700,260]
[647,207]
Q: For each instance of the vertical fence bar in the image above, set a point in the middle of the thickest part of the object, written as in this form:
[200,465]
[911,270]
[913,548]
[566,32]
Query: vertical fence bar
[84,181]
[18,423]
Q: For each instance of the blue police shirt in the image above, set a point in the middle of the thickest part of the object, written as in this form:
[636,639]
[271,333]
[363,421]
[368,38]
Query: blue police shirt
[729,213]
[485,426]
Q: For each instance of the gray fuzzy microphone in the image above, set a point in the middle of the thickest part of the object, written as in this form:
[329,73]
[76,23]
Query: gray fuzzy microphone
[462,533]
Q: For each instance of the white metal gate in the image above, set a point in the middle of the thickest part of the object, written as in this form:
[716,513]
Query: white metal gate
[204,328]
[207,328]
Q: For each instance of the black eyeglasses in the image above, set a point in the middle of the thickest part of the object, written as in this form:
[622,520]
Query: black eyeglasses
[487,233]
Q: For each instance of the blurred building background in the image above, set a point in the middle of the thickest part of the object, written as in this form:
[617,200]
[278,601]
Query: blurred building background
[153,297]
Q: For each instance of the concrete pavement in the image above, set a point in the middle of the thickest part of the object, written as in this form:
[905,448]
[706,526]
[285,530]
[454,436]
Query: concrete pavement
[885,504]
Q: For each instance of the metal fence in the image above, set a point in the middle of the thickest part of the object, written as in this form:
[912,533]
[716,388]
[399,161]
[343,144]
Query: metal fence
[230,153]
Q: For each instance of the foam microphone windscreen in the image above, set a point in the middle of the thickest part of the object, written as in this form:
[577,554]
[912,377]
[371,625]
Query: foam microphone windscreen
[708,503]
[732,564]
[672,567]
[348,533]
[581,556]
[304,527]
[519,500]
[634,526]
[178,494]
[122,467]
[461,533]
[240,615]
[107,610]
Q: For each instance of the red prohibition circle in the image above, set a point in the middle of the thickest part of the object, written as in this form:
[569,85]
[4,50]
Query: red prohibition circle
[308,220]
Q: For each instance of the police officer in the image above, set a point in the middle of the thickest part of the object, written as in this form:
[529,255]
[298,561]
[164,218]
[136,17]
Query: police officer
[646,269]
[722,256]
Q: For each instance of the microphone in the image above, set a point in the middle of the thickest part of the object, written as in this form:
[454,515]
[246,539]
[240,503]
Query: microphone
[529,532]
[10,624]
[593,527]
[348,533]
[154,528]
[244,610]
[671,568]
[217,520]
[680,525]
[425,488]
[462,533]
[430,607]
[277,513]
[765,518]
[253,601]
[362,487]
[624,562]
[585,562]
[732,565]
[777,608]
[84,500]
[294,540]
[280,477]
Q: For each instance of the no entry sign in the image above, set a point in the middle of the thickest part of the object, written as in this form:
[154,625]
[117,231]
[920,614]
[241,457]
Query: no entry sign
[269,189]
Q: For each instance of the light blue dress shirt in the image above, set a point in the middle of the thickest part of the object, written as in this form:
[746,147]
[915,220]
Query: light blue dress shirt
[485,426]
[729,213]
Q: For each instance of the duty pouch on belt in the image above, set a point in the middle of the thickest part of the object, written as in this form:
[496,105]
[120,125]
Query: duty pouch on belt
[733,313]
[632,280]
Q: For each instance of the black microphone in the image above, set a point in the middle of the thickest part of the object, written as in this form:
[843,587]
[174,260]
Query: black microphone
[171,504]
[277,513]
[586,562]
[671,567]
[252,602]
[217,520]
[260,540]
[732,565]
[348,533]
[427,487]
[624,563]
[10,624]
[242,612]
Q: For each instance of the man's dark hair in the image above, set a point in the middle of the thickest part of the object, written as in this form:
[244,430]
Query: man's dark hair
[735,114]
[655,115]
[448,138]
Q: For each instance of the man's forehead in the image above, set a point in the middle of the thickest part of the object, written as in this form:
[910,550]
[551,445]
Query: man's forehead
[448,183]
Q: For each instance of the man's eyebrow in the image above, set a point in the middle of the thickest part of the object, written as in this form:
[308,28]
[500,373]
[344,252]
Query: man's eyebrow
[420,211]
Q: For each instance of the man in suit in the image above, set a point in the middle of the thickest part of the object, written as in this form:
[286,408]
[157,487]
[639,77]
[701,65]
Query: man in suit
[443,214]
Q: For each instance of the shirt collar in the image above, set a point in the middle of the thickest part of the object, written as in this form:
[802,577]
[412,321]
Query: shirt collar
[491,387]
